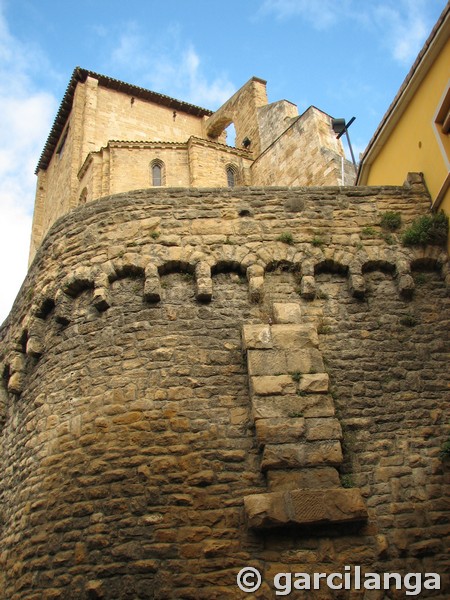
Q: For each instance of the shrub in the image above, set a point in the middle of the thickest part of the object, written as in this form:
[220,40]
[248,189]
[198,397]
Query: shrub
[391,220]
[445,450]
[429,229]
[368,232]
[317,242]
[286,238]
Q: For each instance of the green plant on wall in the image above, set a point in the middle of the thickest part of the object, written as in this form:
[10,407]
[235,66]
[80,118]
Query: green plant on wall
[429,229]
[445,450]
[391,220]
[286,237]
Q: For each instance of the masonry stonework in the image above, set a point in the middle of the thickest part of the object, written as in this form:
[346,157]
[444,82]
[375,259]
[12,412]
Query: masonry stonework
[197,380]
[108,133]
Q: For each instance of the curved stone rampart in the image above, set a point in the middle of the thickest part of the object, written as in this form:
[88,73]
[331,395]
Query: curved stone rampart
[128,403]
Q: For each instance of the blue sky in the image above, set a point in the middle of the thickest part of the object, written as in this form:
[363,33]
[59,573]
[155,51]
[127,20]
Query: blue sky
[347,57]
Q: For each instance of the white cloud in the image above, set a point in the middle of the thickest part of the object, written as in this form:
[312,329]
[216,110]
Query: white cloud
[400,25]
[405,25]
[25,119]
[169,67]
[322,14]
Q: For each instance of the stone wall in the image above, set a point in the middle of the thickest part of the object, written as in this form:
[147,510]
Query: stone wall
[242,110]
[306,153]
[145,449]
[100,114]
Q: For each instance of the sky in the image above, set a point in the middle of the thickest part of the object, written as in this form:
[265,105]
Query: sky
[347,57]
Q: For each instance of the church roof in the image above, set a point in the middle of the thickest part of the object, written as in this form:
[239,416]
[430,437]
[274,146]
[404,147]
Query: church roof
[80,75]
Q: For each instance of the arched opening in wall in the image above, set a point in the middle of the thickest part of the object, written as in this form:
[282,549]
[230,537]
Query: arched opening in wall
[330,266]
[83,196]
[231,135]
[157,172]
[378,265]
[232,173]
[227,266]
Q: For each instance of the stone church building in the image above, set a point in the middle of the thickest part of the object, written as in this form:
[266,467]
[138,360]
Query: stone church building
[111,137]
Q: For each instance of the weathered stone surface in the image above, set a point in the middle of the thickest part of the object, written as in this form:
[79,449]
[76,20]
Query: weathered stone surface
[256,336]
[270,385]
[256,289]
[152,289]
[101,299]
[16,382]
[204,287]
[314,383]
[312,477]
[267,362]
[304,361]
[307,454]
[279,431]
[406,286]
[35,346]
[323,429]
[357,285]
[293,405]
[286,313]
[294,336]
[304,507]
[308,287]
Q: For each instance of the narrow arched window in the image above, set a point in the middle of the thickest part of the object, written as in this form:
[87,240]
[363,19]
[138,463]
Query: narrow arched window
[156,175]
[157,172]
[231,177]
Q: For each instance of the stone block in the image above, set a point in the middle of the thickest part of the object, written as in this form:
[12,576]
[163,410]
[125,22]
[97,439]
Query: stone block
[304,361]
[101,299]
[256,289]
[266,362]
[16,382]
[292,405]
[314,383]
[406,286]
[63,308]
[255,271]
[308,287]
[256,337]
[35,346]
[286,312]
[271,385]
[307,454]
[294,336]
[313,477]
[17,362]
[357,285]
[327,428]
[304,507]
[279,431]
[152,289]
[204,289]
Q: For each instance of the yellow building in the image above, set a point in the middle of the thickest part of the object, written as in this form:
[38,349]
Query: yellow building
[414,133]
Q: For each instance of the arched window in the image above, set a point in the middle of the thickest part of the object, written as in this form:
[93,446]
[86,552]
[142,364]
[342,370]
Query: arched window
[157,172]
[231,175]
